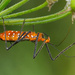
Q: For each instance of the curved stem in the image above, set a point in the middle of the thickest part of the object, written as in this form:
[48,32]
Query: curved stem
[12,8]
[38,20]
[26,12]
[3,4]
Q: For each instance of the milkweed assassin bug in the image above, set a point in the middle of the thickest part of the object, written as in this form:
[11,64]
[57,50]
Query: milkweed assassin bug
[18,36]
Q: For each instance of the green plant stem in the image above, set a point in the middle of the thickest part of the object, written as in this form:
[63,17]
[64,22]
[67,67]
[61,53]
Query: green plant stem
[12,8]
[27,11]
[35,20]
[39,18]
[47,20]
[3,4]
[73,5]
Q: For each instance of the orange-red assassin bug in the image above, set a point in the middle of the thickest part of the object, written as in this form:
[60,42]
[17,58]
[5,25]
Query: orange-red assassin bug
[18,36]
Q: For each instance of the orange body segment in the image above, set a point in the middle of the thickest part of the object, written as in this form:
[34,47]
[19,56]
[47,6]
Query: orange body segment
[13,36]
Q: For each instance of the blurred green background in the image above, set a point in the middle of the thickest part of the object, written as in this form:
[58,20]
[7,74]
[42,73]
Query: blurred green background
[19,59]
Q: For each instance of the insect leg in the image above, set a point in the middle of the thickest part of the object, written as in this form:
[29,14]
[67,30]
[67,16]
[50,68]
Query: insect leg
[18,40]
[34,55]
[40,48]
[5,33]
[5,37]
[24,36]
[49,51]
[60,52]
[56,48]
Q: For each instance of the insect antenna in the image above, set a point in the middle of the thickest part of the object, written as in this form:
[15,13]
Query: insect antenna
[66,35]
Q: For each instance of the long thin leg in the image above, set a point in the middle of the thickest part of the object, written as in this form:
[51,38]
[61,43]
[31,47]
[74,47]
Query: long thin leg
[56,48]
[40,48]
[5,33]
[21,35]
[24,36]
[15,42]
[36,53]
[35,46]
[18,40]
[60,52]
[49,52]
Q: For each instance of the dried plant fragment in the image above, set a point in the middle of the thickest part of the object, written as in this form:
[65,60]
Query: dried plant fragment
[73,17]
[51,3]
[68,7]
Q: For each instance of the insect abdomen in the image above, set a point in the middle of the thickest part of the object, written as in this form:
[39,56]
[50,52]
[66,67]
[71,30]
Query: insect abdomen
[10,35]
